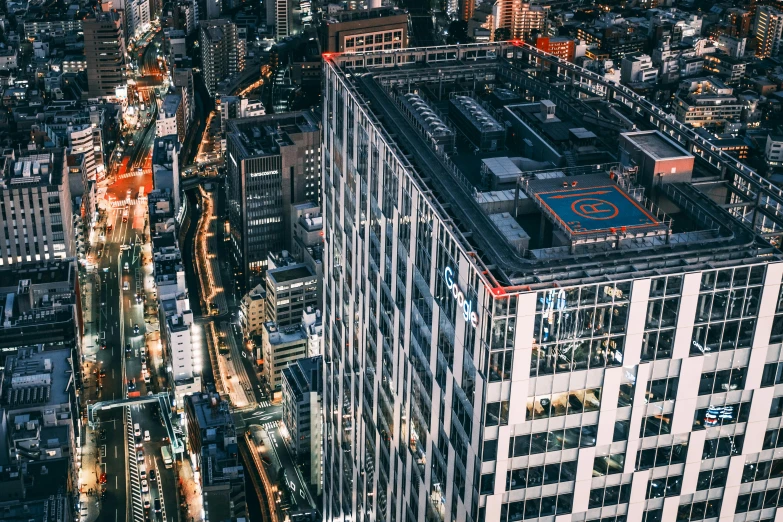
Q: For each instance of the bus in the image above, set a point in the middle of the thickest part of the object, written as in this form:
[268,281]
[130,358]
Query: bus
[166,453]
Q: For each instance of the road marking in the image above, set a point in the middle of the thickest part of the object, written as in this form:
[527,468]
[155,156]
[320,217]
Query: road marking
[115,451]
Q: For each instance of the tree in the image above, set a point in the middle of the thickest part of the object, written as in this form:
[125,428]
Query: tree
[502,34]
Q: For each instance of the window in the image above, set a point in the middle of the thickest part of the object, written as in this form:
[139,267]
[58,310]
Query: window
[659,424]
[661,389]
[664,487]
[488,484]
[714,478]
[490,450]
[557,404]
[540,475]
[699,510]
[661,456]
[721,415]
[609,496]
[722,381]
[773,439]
[537,507]
[556,440]
[621,429]
[763,470]
[773,374]
[609,464]
[497,414]
[759,500]
[723,447]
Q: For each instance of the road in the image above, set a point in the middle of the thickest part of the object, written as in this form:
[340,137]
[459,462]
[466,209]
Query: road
[125,288]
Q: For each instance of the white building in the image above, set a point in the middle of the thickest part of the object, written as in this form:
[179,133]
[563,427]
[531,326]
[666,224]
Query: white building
[251,309]
[280,346]
[638,68]
[172,117]
[773,151]
[302,412]
[137,17]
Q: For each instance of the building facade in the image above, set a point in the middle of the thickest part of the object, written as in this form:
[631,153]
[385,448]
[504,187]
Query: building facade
[289,291]
[769,31]
[104,48]
[280,347]
[464,381]
[273,163]
[364,30]
[222,52]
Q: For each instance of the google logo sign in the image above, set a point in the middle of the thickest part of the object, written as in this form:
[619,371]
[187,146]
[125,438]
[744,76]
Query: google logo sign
[459,295]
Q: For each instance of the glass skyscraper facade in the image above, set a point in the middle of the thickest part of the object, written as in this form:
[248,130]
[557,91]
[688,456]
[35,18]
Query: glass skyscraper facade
[625,364]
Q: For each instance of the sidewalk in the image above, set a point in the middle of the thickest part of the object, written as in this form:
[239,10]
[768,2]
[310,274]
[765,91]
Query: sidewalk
[189,494]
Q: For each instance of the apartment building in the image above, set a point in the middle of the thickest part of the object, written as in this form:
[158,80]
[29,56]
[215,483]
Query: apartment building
[638,68]
[165,168]
[137,17]
[280,347]
[522,19]
[232,107]
[172,117]
[706,102]
[289,291]
[605,373]
[252,311]
[222,52]
[773,151]
[104,49]
[768,31]
[560,46]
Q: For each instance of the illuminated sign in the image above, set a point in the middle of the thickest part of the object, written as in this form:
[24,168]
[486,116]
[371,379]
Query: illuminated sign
[459,295]
[260,174]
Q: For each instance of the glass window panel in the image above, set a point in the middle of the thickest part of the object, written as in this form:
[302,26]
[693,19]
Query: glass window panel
[532,507]
[548,506]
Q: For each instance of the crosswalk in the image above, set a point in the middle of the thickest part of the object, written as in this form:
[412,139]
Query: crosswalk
[264,404]
[120,203]
[272,425]
[133,174]
[133,468]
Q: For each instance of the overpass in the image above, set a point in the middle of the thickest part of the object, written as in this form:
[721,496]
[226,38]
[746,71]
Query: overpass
[165,407]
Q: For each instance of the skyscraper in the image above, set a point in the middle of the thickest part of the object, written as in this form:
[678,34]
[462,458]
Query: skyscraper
[222,52]
[769,31]
[273,163]
[621,363]
[104,48]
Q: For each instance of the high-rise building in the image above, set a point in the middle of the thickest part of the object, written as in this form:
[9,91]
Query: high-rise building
[273,163]
[35,201]
[212,9]
[222,52]
[232,107]
[182,77]
[289,290]
[137,17]
[520,18]
[302,395]
[172,117]
[104,47]
[769,31]
[624,363]
[165,167]
[280,346]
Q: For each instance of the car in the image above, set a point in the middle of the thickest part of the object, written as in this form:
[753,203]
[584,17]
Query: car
[143,358]
[146,503]
[109,227]
[103,478]
[125,285]
[103,345]
[132,384]
[152,474]
[138,298]
[140,455]
[147,435]
[103,434]
[102,373]
[136,328]
[145,487]
[138,441]
[157,505]
[127,347]
[147,378]
[143,473]
[128,194]
[127,266]
[136,430]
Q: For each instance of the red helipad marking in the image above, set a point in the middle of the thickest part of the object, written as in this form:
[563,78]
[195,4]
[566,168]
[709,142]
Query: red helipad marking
[593,208]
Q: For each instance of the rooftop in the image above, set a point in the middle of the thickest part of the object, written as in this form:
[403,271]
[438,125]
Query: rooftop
[304,375]
[657,145]
[290,273]
[612,230]
[210,411]
[265,135]
[36,379]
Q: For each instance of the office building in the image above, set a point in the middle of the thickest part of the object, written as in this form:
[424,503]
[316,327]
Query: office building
[252,311]
[35,205]
[182,77]
[104,48]
[769,31]
[625,365]
[222,52]
[165,167]
[706,102]
[302,395]
[280,346]
[273,163]
[213,9]
[39,304]
[172,117]
[212,438]
[382,28]
[289,291]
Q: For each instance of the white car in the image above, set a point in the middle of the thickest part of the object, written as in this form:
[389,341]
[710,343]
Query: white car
[146,503]
[137,430]
[143,473]
[125,285]
[145,487]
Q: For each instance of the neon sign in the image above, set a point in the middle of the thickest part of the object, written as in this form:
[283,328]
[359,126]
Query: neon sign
[459,295]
